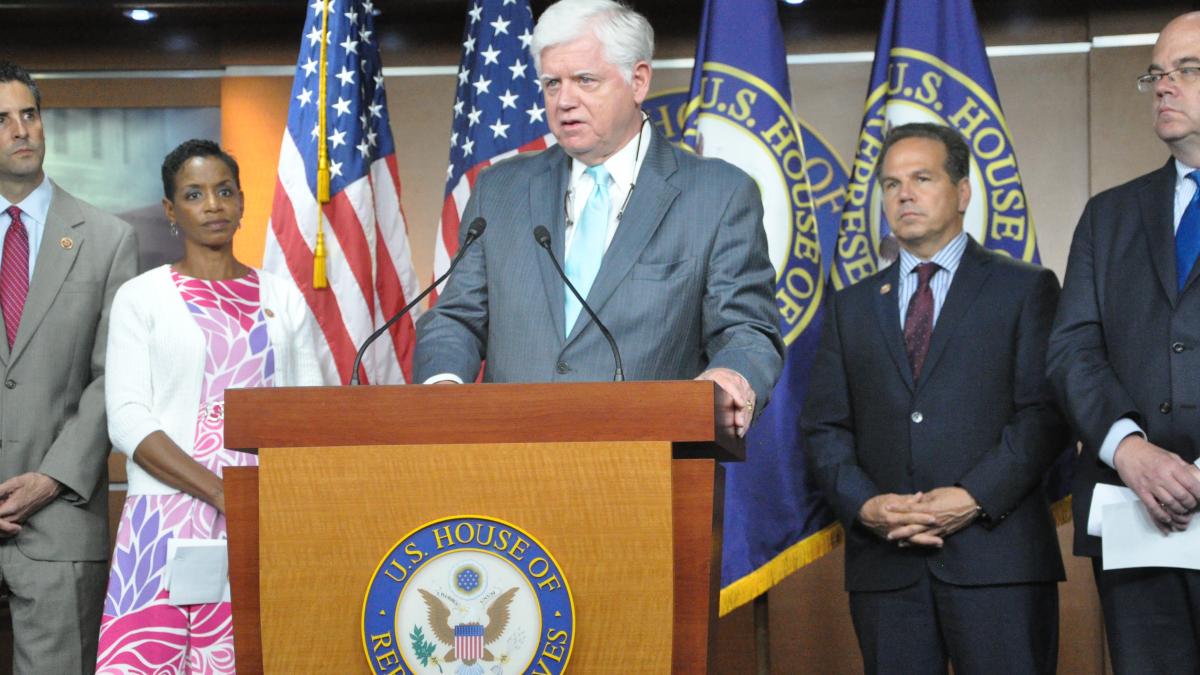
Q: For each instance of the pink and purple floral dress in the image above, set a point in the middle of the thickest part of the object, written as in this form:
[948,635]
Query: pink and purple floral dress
[141,632]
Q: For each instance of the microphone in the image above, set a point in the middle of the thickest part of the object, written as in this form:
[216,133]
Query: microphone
[542,236]
[474,231]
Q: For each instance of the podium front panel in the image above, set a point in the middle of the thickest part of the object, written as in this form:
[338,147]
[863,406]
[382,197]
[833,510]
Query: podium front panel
[329,516]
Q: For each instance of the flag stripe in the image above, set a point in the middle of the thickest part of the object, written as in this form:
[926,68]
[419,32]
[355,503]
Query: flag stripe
[368,259]
[456,202]
[297,260]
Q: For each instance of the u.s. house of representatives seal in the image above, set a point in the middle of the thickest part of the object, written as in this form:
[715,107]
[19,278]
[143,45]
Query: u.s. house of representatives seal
[468,595]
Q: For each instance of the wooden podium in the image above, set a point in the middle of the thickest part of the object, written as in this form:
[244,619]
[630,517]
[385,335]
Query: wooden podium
[619,481]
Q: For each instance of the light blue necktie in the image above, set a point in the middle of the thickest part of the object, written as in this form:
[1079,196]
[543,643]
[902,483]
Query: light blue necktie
[1187,236]
[587,243]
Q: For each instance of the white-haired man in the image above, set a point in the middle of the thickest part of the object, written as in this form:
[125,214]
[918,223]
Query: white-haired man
[667,248]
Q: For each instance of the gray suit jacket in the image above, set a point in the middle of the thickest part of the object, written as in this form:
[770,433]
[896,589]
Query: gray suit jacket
[1126,342]
[981,416]
[52,396]
[685,285]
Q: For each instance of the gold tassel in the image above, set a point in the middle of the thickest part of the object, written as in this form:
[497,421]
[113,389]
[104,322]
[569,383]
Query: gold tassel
[320,280]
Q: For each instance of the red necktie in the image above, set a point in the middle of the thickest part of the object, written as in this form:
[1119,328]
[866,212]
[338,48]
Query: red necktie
[14,274]
[918,322]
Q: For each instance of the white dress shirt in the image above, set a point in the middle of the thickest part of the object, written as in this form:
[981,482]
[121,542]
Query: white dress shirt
[947,260]
[623,167]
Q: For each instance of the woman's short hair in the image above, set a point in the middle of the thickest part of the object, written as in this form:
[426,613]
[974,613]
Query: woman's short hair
[197,147]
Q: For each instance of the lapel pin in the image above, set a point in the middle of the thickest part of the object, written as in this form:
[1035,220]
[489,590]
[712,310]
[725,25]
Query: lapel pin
[885,289]
[269,313]
[66,243]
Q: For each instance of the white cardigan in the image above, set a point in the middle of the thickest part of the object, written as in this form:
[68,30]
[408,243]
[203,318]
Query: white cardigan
[155,362]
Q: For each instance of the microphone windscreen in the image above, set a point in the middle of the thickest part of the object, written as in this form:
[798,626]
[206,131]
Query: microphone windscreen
[542,236]
[476,228]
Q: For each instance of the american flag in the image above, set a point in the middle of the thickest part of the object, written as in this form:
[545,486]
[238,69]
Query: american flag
[498,107]
[468,641]
[369,262]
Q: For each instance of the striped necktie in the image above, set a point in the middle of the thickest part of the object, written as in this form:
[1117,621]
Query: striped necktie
[14,274]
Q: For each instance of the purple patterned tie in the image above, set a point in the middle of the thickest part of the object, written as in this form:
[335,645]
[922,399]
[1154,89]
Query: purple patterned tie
[14,274]
[918,322]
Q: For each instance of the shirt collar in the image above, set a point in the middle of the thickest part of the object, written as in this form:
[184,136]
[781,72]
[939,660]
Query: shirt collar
[1181,174]
[36,204]
[624,164]
[947,258]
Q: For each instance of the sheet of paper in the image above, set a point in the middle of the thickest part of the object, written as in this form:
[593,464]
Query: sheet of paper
[1130,539]
[197,571]
[1102,496]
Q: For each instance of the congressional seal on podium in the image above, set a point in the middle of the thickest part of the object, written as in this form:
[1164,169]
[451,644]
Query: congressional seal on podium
[468,595]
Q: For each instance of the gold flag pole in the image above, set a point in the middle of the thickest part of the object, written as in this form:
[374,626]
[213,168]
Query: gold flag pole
[319,278]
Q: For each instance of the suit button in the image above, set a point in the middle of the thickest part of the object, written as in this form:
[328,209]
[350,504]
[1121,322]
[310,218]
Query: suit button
[917,417]
[1177,347]
[1165,408]
[563,368]
[11,384]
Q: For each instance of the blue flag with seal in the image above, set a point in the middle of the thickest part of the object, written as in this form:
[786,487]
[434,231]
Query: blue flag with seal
[931,66]
[739,109]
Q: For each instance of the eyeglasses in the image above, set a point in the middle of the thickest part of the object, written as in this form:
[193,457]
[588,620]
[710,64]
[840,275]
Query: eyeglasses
[1184,75]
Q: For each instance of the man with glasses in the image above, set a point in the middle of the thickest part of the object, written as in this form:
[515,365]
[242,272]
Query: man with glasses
[1124,358]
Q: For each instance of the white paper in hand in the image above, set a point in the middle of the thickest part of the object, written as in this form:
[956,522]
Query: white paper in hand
[1130,539]
[197,571]
[1103,495]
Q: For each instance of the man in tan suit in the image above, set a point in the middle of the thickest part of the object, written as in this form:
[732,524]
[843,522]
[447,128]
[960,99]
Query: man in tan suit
[61,261]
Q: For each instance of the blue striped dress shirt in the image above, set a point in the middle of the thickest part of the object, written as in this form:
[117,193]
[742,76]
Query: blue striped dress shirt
[947,259]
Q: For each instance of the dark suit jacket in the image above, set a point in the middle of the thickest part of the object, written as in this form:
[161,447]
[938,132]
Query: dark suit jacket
[685,285]
[982,417]
[1126,343]
[52,403]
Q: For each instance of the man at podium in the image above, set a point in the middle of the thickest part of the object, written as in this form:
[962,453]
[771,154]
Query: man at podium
[667,248]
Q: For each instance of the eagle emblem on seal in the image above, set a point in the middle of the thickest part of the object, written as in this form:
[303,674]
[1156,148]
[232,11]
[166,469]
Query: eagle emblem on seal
[468,641]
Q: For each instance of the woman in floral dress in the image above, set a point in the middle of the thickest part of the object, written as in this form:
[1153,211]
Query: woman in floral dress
[179,335]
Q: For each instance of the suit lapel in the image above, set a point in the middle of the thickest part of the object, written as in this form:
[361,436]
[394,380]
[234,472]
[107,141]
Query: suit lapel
[887,311]
[546,193]
[4,351]
[973,271]
[652,196]
[1158,218]
[53,263]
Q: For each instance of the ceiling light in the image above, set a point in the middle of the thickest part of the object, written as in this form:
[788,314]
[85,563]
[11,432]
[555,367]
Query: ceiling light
[140,15]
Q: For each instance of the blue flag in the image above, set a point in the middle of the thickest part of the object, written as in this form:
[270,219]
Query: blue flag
[931,66]
[739,109]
